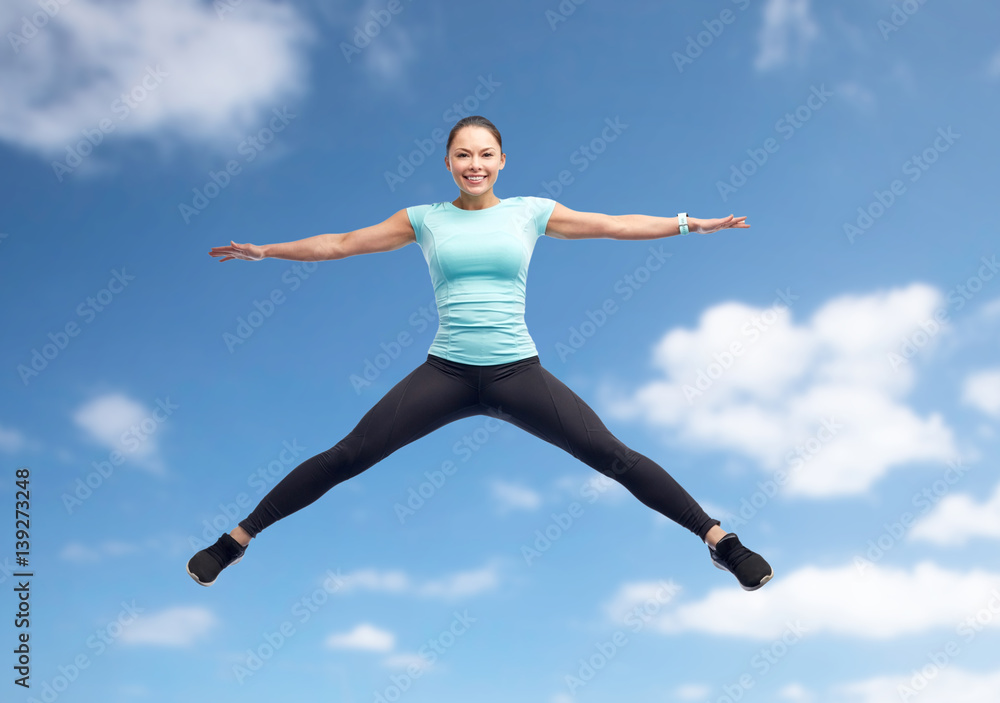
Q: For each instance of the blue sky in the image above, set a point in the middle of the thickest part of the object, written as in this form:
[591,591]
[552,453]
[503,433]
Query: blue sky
[826,382]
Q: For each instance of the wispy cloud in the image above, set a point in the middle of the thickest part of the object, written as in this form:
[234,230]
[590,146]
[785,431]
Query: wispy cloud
[86,553]
[11,440]
[786,34]
[462,583]
[456,585]
[993,66]
[982,391]
[859,95]
[174,627]
[692,692]
[511,496]
[364,636]
[386,51]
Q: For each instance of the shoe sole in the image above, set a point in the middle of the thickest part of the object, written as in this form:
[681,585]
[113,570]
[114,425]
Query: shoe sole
[203,583]
[746,588]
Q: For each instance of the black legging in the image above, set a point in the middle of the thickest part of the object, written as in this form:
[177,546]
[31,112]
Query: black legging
[440,391]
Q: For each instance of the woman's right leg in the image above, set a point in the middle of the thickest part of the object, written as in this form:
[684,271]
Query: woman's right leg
[431,396]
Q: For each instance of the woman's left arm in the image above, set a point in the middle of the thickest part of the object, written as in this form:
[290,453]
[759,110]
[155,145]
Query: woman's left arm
[569,224]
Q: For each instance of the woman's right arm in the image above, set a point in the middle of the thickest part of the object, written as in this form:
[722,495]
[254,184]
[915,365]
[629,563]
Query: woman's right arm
[391,234]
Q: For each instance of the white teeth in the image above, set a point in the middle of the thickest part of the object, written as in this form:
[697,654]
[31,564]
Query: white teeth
[475,178]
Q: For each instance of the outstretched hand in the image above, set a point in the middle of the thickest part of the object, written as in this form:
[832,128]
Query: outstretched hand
[709,226]
[247,252]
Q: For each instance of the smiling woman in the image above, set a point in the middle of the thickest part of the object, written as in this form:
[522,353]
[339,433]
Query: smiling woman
[482,360]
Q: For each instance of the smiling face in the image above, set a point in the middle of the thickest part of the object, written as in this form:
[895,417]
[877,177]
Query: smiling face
[475,161]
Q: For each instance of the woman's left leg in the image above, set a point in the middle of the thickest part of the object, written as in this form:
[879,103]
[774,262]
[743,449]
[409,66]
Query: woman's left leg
[530,397]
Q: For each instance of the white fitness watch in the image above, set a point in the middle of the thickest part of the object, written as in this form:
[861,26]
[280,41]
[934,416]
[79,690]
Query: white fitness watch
[682,219]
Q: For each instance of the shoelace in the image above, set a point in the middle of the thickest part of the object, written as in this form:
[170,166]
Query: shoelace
[217,551]
[738,555]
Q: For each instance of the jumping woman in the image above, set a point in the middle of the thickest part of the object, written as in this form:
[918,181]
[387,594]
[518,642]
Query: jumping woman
[482,360]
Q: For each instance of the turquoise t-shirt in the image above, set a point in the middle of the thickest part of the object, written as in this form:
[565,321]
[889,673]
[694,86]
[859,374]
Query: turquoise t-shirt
[478,261]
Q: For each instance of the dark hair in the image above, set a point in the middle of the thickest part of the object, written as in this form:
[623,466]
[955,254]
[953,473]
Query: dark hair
[474,121]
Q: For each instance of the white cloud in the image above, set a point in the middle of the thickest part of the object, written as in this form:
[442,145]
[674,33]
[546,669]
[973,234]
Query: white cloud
[363,636]
[858,94]
[80,552]
[875,602]
[958,518]
[821,400]
[205,77]
[785,22]
[456,585]
[991,309]
[692,692]
[993,69]
[404,660]
[795,692]
[982,391]
[650,597]
[947,685]
[463,583]
[385,52]
[375,580]
[511,496]
[125,426]
[174,627]
[11,440]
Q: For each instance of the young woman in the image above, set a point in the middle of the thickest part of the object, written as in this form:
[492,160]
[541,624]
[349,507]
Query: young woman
[482,360]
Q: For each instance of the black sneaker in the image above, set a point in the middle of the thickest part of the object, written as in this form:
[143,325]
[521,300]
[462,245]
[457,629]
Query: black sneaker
[205,566]
[748,567]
